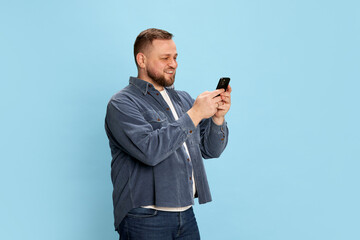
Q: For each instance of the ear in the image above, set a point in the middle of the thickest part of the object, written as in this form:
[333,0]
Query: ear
[141,60]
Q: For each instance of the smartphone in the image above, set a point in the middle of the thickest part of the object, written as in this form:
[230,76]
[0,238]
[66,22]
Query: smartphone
[223,83]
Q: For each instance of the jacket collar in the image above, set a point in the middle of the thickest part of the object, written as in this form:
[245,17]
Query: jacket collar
[144,86]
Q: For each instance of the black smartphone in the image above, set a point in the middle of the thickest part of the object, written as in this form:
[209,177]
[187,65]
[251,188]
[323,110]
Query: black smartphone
[223,83]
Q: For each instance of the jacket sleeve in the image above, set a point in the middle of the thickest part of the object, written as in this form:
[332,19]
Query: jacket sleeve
[129,131]
[214,138]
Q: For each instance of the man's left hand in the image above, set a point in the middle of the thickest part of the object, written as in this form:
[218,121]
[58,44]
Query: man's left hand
[224,106]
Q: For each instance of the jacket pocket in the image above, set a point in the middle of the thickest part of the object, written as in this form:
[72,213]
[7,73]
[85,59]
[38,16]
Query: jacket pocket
[156,119]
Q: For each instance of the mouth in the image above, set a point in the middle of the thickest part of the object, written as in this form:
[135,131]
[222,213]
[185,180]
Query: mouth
[170,71]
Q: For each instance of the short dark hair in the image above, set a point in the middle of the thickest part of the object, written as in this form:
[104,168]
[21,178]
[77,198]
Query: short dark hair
[147,36]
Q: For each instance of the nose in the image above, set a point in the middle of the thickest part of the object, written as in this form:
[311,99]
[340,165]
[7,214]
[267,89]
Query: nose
[173,63]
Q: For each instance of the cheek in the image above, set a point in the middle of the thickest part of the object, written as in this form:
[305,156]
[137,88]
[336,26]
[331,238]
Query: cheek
[157,67]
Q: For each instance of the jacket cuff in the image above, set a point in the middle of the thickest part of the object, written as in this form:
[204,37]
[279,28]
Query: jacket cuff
[187,124]
[218,129]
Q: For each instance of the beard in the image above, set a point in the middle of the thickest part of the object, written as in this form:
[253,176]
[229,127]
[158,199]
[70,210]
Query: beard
[160,79]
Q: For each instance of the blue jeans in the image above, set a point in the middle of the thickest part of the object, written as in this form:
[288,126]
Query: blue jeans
[150,224]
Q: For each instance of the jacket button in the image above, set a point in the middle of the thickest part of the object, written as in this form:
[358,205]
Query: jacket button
[157,94]
[190,178]
[188,159]
[158,119]
[168,109]
[190,131]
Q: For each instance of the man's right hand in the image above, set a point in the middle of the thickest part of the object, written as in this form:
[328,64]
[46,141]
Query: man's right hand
[205,106]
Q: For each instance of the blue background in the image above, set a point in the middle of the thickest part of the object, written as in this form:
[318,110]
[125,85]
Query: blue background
[291,169]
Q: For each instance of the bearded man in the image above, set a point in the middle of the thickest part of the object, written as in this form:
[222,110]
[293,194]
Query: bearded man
[158,138]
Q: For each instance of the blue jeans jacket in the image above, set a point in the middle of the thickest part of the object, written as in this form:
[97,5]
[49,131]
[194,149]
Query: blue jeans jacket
[149,163]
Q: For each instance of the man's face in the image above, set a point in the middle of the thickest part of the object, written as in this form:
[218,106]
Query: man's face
[161,62]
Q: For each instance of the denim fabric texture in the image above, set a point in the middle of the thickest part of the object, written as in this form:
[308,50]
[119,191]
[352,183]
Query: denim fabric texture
[149,164]
[150,224]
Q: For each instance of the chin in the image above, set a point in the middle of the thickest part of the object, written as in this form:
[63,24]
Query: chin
[170,82]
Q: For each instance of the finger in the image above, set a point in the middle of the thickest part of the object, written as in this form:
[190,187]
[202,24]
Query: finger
[222,108]
[219,104]
[227,94]
[216,92]
[216,99]
[226,99]
[229,89]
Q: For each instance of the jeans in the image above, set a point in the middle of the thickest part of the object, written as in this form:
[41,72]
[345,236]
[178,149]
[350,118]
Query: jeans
[150,224]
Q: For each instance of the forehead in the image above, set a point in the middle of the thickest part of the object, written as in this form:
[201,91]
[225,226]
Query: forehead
[162,46]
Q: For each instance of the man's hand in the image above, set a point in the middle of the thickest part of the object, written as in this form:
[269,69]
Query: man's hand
[224,107]
[207,105]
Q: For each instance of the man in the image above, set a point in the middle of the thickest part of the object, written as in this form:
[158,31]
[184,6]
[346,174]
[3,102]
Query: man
[158,137]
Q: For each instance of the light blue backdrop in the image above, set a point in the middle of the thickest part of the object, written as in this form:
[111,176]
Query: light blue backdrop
[291,169]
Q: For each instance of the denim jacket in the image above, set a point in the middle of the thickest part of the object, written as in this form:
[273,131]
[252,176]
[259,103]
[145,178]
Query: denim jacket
[149,164]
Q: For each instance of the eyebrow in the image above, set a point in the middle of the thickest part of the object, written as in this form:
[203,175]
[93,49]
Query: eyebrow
[168,54]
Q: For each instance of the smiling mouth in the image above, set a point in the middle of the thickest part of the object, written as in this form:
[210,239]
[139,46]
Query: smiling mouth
[170,71]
